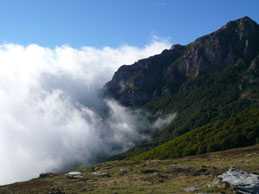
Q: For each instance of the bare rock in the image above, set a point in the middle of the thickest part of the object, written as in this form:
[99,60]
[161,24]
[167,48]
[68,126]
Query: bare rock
[74,175]
[241,180]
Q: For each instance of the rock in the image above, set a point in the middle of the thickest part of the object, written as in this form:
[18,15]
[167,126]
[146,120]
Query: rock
[158,174]
[102,174]
[74,175]
[45,175]
[192,188]
[241,180]
[123,171]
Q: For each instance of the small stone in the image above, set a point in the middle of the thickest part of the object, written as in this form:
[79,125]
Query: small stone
[123,171]
[192,188]
[158,174]
[102,174]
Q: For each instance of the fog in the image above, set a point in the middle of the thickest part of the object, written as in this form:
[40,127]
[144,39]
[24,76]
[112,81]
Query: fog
[53,117]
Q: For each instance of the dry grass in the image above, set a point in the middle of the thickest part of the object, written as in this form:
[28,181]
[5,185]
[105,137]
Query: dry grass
[175,175]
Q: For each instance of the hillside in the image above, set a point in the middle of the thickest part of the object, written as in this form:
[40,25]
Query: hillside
[145,177]
[239,131]
[209,80]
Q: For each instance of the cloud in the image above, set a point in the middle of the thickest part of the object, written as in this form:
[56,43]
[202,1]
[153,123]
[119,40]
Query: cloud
[164,120]
[52,116]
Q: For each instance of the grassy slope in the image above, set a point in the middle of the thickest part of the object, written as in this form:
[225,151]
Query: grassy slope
[177,174]
[239,131]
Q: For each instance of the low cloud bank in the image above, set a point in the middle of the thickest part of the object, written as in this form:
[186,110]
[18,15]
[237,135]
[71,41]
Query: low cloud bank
[52,117]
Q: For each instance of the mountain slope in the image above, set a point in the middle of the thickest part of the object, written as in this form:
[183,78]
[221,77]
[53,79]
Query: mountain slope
[239,131]
[213,78]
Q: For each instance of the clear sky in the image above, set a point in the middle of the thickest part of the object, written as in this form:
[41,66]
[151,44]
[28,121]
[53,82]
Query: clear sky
[100,23]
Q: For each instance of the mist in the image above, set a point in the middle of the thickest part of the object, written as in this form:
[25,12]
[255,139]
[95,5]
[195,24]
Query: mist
[53,117]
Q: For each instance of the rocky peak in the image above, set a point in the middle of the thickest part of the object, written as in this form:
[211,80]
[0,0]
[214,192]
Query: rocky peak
[237,40]
[135,84]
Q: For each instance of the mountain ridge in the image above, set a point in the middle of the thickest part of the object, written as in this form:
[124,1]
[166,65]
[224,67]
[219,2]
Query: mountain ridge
[213,78]
[132,85]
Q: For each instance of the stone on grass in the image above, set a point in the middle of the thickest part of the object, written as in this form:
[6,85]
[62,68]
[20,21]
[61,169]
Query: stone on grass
[158,174]
[74,175]
[123,171]
[102,174]
[241,180]
[192,188]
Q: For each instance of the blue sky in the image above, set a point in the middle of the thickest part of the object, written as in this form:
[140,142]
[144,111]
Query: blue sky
[113,23]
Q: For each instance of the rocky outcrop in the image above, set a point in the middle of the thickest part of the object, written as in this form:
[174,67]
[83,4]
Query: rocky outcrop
[241,180]
[236,43]
[137,83]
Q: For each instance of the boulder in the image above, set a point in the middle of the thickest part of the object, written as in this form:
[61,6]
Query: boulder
[74,175]
[241,180]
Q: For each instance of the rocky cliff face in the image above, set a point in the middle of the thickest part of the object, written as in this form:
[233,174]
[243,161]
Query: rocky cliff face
[236,43]
[137,83]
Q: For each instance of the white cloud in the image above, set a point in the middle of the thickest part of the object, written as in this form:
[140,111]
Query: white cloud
[51,115]
[164,120]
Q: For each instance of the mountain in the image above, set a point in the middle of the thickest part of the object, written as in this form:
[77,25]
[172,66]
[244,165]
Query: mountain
[212,85]
[209,80]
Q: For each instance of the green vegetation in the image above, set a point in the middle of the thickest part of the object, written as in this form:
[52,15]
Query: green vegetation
[209,80]
[241,130]
[208,98]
